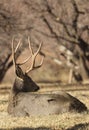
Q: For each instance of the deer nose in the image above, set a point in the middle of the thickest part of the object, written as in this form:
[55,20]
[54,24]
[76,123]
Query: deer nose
[36,89]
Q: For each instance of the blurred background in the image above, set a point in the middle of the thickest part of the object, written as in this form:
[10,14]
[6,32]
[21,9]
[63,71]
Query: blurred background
[62,26]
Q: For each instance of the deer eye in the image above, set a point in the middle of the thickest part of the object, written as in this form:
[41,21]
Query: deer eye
[19,72]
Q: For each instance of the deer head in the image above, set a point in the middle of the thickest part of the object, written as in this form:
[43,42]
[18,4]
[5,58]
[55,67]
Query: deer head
[23,83]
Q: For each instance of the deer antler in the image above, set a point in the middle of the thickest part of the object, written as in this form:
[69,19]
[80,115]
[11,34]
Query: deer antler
[33,56]
[14,52]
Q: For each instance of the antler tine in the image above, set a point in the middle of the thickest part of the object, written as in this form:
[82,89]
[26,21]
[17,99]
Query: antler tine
[40,63]
[24,61]
[29,41]
[18,45]
[33,60]
[36,53]
[13,53]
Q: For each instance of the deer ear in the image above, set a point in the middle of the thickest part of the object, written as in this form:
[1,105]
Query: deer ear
[19,71]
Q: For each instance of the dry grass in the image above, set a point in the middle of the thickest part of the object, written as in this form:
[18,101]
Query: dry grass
[53,122]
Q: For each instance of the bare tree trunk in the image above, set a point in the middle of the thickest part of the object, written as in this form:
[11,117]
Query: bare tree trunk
[83,69]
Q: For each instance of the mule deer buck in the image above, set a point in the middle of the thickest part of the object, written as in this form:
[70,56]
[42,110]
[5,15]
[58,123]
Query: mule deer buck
[25,101]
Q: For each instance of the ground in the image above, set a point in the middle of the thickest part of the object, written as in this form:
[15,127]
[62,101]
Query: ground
[52,122]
